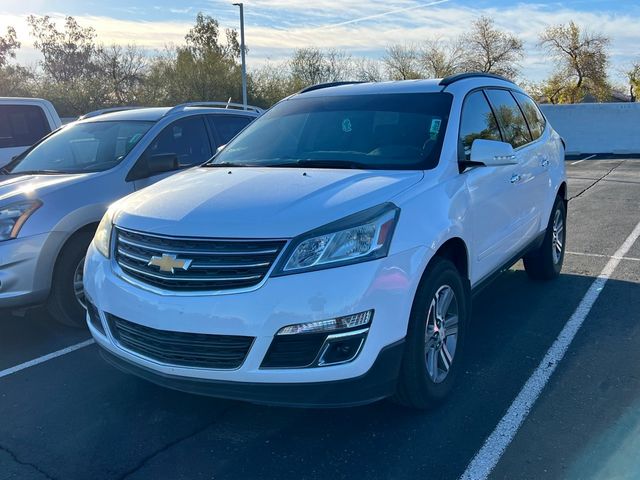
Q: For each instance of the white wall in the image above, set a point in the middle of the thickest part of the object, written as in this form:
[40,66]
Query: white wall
[597,127]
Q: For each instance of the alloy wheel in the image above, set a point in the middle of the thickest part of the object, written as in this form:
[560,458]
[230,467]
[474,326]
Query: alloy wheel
[78,285]
[557,239]
[441,333]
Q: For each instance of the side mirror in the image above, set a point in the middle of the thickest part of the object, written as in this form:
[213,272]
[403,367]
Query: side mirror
[162,163]
[492,153]
[150,165]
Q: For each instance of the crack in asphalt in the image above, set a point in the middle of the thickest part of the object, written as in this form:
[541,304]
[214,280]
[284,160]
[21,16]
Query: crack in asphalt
[144,461]
[597,181]
[15,458]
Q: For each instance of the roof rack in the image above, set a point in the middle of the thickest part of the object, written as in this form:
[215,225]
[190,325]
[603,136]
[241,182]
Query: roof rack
[462,76]
[102,111]
[224,105]
[327,85]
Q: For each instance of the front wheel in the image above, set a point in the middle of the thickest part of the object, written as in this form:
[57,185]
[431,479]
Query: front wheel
[435,338]
[67,301]
[545,263]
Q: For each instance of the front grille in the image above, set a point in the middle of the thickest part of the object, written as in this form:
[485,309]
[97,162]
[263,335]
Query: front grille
[179,348]
[214,264]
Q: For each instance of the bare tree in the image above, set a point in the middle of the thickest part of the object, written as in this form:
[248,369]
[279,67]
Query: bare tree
[488,49]
[441,59]
[402,62]
[124,70]
[367,70]
[310,66]
[581,61]
[8,46]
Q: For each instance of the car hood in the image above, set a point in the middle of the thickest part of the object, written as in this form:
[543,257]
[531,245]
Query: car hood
[18,187]
[257,202]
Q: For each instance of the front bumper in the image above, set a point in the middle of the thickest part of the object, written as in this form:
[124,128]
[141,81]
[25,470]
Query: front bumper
[386,286]
[26,266]
[378,383]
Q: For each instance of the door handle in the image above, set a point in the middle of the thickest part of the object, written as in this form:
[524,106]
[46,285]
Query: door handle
[515,178]
[544,163]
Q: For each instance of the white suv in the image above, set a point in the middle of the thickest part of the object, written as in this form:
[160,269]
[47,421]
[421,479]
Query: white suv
[327,256]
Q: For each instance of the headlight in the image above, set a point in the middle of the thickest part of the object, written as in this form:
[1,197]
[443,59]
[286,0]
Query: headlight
[12,217]
[357,238]
[102,238]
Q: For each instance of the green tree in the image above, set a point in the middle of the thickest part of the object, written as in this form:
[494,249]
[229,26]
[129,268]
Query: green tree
[633,77]
[581,60]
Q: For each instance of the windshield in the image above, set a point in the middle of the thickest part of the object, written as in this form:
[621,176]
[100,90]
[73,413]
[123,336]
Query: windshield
[382,131]
[83,147]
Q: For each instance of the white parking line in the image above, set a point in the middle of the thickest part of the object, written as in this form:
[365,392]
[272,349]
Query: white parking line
[495,445]
[599,255]
[46,358]
[588,158]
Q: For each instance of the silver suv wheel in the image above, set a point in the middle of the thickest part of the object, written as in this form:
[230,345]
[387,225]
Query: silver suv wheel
[441,333]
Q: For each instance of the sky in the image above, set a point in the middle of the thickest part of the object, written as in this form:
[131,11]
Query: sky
[363,28]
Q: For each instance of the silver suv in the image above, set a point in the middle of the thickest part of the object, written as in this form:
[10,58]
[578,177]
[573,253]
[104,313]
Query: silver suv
[53,195]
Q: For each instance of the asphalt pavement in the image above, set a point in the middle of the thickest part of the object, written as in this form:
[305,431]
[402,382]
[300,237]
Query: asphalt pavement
[75,417]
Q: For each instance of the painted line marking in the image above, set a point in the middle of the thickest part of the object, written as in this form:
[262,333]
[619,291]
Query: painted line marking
[46,358]
[495,445]
[599,255]
[588,158]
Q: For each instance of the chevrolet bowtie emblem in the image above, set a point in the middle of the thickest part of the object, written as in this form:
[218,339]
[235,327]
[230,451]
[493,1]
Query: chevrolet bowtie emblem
[168,263]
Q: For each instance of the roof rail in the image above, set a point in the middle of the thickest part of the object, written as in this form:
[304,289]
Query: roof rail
[462,76]
[102,111]
[225,105]
[327,85]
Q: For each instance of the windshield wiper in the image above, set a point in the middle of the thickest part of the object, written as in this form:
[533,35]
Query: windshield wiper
[38,172]
[310,163]
[225,164]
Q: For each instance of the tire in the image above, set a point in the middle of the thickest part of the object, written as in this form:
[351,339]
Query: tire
[63,304]
[421,383]
[545,263]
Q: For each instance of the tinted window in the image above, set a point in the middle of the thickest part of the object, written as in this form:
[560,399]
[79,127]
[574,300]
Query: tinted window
[228,126]
[512,123]
[477,121]
[84,147]
[532,113]
[186,138]
[21,125]
[382,131]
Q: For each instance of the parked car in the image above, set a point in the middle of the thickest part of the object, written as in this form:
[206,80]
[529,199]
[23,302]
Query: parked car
[55,193]
[327,256]
[24,121]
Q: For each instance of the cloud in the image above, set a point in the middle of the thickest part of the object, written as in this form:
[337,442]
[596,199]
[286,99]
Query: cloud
[275,27]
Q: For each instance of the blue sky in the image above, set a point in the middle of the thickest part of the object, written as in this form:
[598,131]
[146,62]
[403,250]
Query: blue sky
[275,27]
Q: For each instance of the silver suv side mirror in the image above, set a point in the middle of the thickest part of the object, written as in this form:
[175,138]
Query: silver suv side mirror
[492,153]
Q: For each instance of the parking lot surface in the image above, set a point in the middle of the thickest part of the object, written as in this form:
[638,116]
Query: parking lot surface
[75,417]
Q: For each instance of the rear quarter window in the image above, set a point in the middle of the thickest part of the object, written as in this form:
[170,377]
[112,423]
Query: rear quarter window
[512,123]
[22,125]
[228,126]
[532,113]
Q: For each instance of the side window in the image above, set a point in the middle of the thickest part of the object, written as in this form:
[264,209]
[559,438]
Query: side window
[532,113]
[228,126]
[512,123]
[22,125]
[477,121]
[187,138]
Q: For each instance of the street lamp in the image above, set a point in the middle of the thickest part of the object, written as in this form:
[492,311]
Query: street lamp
[242,52]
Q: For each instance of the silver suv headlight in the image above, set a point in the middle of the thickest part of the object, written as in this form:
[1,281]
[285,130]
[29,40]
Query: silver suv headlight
[13,216]
[358,238]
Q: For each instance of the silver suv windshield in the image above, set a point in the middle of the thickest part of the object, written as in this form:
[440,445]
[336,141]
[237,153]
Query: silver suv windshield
[82,147]
[372,131]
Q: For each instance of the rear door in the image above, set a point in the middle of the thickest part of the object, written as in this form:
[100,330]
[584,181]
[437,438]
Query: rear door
[526,193]
[492,194]
[20,127]
[187,138]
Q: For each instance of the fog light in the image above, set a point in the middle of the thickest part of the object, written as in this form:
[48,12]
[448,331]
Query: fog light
[342,348]
[335,324]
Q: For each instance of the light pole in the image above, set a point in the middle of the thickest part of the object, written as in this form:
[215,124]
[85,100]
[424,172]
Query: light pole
[242,52]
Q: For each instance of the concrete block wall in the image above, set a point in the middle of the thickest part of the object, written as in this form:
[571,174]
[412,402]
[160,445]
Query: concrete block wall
[597,127]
